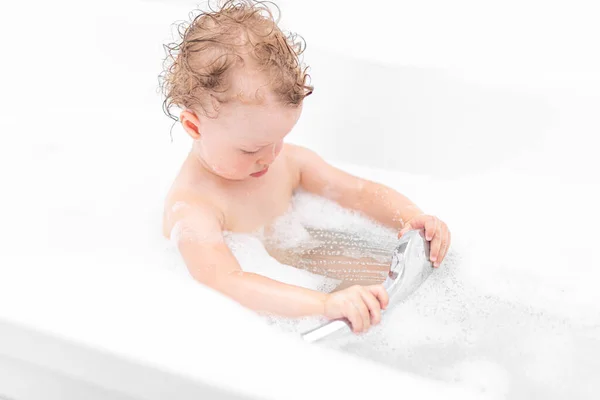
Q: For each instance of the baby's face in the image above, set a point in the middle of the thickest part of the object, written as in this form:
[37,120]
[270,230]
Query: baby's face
[244,139]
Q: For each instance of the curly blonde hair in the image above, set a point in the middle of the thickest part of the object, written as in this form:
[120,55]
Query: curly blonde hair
[197,70]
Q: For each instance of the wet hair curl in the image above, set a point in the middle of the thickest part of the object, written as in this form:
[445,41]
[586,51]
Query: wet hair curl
[216,43]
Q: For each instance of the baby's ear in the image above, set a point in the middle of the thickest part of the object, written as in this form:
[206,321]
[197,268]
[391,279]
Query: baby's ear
[190,123]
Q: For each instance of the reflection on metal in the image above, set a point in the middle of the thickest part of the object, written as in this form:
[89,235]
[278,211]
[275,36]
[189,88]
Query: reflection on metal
[410,267]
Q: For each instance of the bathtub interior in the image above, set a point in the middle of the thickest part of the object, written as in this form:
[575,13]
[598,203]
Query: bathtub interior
[512,312]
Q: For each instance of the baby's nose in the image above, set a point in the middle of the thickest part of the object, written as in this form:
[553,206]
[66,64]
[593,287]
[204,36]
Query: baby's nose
[271,154]
[266,160]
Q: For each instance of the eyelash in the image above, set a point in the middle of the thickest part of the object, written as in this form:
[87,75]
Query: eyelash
[250,152]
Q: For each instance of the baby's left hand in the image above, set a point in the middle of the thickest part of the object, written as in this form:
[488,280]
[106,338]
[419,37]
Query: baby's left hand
[436,231]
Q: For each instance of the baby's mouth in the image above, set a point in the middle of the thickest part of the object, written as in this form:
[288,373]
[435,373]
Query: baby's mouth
[260,173]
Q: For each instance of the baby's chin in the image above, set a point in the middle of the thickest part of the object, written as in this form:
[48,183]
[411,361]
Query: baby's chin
[231,175]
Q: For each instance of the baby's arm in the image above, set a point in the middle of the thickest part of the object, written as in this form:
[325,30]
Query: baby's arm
[197,230]
[198,233]
[376,200]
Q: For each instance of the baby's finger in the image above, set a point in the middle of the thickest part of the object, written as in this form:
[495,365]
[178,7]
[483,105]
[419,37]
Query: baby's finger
[431,227]
[406,228]
[381,294]
[434,250]
[444,246]
[449,242]
[353,315]
[373,305]
[364,312]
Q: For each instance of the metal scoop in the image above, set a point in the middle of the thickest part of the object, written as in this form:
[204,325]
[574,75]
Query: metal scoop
[410,267]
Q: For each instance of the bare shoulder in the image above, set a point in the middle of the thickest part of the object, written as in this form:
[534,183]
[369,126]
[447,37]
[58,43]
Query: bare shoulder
[186,202]
[301,156]
[297,151]
[296,157]
[320,177]
[305,160]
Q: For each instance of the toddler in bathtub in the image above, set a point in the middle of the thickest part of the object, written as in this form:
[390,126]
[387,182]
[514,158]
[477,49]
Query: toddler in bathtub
[241,87]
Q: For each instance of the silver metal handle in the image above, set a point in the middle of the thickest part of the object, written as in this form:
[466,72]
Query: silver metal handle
[410,267]
[329,329]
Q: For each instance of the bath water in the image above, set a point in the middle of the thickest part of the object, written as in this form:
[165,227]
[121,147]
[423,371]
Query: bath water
[452,329]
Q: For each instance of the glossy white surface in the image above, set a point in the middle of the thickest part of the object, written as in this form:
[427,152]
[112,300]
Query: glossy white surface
[507,160]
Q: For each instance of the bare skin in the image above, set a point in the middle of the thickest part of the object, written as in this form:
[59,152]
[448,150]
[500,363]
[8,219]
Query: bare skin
[243,206]
[251,204]
[217,189]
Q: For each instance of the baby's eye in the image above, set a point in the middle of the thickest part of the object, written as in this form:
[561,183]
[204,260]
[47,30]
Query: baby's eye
[249,152]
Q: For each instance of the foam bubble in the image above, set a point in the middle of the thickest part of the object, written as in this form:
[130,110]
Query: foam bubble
[179,205]
[481,374]
[470,309]
[189,229]
[548,359]
[406,326]
[253,257]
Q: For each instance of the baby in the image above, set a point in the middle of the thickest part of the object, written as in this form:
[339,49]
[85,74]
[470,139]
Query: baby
[241,86]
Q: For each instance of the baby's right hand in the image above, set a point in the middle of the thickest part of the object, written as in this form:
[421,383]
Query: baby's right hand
[361,305]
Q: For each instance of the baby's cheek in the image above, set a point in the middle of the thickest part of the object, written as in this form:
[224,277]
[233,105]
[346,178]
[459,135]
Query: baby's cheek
[237,167]
[219,170]
[247,167]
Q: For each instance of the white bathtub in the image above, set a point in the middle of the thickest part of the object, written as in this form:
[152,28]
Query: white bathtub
[90,309]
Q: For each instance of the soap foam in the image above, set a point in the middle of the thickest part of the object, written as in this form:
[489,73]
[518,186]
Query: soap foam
[462,325]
